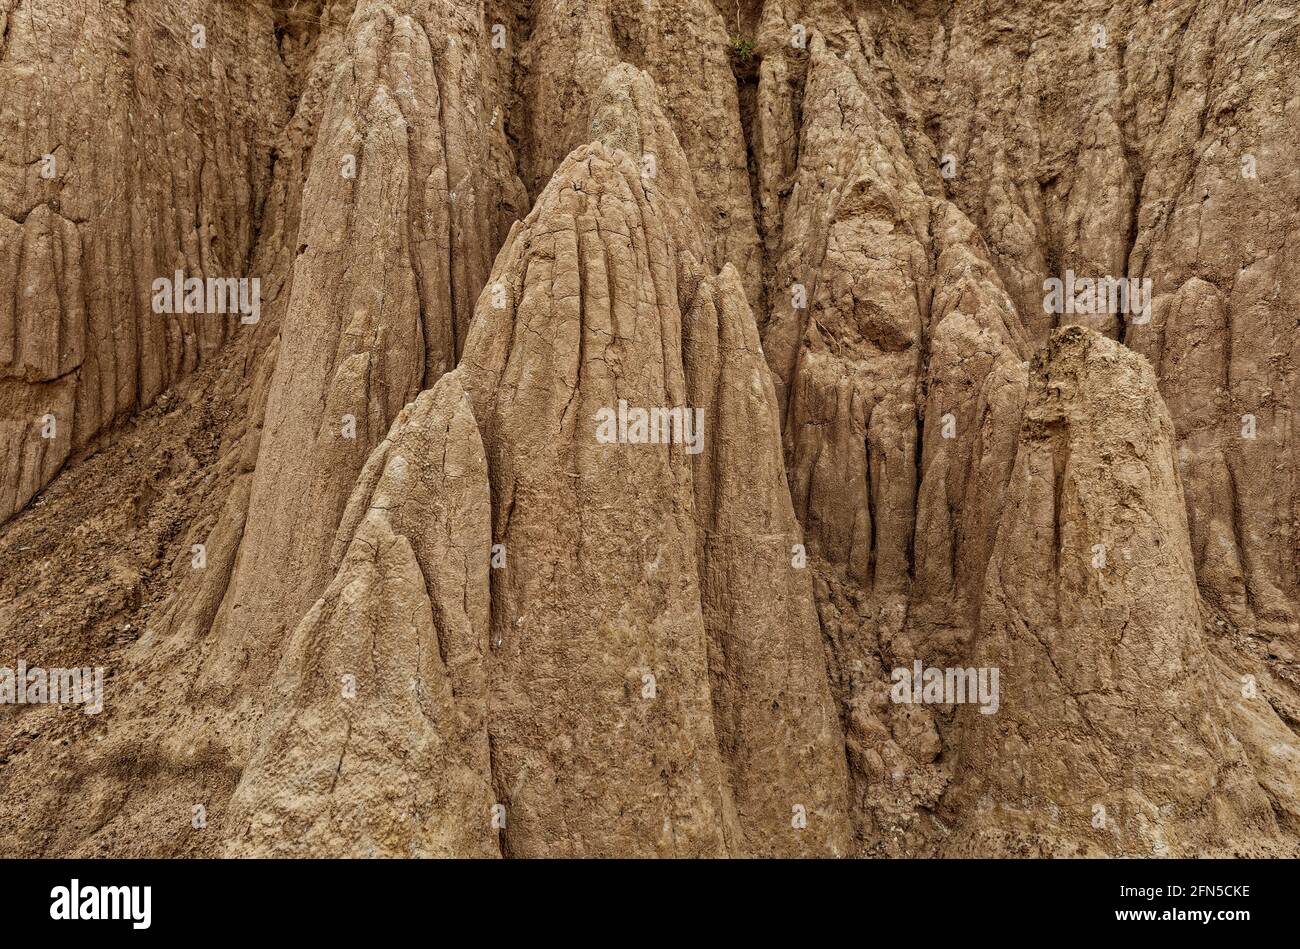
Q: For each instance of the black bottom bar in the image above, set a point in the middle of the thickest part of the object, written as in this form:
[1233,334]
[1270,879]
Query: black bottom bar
[927,898]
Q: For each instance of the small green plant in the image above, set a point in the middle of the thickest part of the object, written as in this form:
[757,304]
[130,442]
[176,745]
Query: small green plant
[742,49]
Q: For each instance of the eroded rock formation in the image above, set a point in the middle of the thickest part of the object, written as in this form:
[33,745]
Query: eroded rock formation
[638,394]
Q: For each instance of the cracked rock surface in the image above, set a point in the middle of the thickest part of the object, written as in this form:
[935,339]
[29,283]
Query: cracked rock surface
[366,575]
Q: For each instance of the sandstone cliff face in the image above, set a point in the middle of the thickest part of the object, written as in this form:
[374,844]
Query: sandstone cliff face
[137,143]
[395,570]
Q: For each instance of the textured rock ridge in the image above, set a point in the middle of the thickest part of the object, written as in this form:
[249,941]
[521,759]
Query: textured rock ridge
[375,255]
[773,709]
[1111,737]
[600,588]
[626,638]
[377,743]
